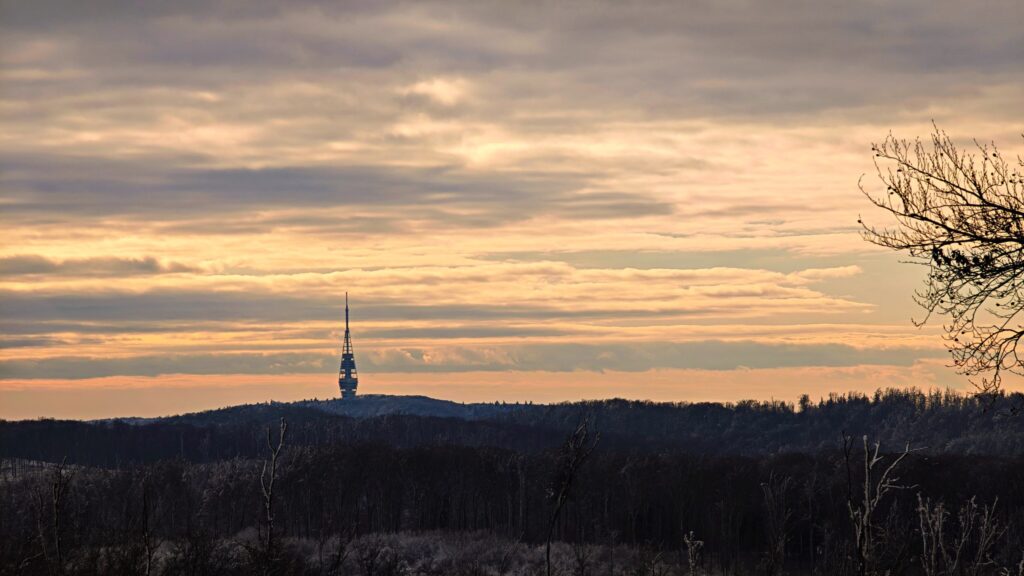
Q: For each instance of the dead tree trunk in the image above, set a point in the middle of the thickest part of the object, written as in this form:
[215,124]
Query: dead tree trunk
[777,520]
[59,481]
[267,479]
[575,451]
[862,508]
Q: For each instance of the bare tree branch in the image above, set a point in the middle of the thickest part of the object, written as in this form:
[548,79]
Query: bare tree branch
[961,214]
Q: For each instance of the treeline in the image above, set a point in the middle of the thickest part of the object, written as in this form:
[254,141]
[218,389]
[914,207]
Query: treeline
[793,513]
[937,422]
[118,444]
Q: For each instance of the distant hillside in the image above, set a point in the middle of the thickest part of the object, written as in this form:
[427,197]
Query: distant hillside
[380,405]
[367,406]
[937,422]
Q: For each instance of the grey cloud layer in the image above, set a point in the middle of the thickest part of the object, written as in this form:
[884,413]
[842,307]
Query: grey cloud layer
[548,70]
[776,260]
[703,56]
[46,186]
[179,306]
[629,357]
[911,35]
[30,264]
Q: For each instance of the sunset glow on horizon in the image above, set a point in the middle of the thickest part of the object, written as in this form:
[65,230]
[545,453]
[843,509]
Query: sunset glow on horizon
[525,203]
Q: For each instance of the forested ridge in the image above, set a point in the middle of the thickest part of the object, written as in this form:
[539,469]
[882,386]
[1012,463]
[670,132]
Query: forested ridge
[751,488]
[937,422]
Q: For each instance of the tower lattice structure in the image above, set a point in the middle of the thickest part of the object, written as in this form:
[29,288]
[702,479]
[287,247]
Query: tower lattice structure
[348,379]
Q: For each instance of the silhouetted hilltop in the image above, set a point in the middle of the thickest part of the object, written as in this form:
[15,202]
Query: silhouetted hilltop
[379,405]
[936,422]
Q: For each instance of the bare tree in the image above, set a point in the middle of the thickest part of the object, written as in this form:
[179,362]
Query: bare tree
[377,558]
[147,541]
[777,520]
[613,538]
[342,550]
[968,549]
[649,563]
[961,214]
[1017,570]
[863,504]
[694,550]
[267,479]
[50,534]
[577,448]
[582,553]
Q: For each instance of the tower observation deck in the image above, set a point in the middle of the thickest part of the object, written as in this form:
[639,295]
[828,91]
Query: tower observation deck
[348,379]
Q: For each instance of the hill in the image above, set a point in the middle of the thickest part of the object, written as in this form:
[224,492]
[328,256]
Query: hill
[936,422]
[658,474]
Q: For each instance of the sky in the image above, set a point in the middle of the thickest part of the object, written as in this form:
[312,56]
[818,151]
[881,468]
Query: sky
[526,201]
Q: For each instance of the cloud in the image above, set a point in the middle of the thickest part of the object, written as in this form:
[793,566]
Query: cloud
[31,342]
[193,305]
[777,260]
[69,187]
[501,187]
[472,291]
[31,264]
[705,54]
[625,356]
[461,332]
[446,92]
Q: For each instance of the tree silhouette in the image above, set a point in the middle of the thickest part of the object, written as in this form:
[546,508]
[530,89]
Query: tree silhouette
[268,476]
[577,448]
[961,214]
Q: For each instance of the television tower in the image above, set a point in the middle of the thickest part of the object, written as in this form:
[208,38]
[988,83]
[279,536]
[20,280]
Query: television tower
[347,378]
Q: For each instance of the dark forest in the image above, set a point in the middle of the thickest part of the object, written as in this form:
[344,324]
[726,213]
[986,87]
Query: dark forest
[409,485]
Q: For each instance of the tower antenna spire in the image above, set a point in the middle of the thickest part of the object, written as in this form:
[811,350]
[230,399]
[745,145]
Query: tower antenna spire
[348,378]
